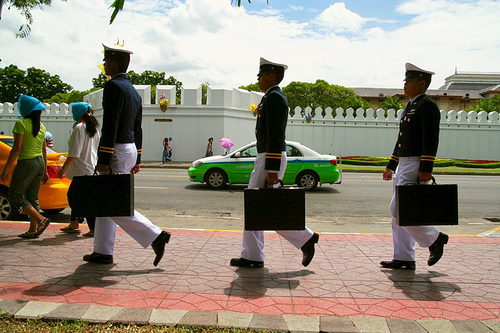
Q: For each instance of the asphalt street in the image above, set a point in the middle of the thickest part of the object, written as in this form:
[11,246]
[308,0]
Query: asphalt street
[358,205]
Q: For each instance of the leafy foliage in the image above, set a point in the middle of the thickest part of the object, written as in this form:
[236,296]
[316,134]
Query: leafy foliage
[250,87]
[488,104]
[322,94]
[34,82]
[318,94]
[148,77]
[25,6]
[117,5]
[73,96]
[391,103]
[204,91]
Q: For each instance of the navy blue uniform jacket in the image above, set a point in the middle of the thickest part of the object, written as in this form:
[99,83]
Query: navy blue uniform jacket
[271,126]
[122,117]
[418,134]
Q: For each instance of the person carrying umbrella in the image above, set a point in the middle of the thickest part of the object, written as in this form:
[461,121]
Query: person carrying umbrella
[227,144]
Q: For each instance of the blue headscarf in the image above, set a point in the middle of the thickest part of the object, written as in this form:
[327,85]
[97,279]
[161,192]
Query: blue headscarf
[27,104]
[79,109]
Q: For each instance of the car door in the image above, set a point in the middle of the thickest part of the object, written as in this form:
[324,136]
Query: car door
[295,160]
[241,165]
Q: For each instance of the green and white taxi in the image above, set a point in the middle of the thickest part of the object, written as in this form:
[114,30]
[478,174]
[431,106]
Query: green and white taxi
[305,167]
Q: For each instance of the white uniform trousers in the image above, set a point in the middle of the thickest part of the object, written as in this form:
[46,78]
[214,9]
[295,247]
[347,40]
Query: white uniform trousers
[138,226]
[404,237]
[253,241]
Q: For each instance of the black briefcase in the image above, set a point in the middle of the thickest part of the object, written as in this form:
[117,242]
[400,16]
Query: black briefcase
[275,208]
[102,195]
[435,204]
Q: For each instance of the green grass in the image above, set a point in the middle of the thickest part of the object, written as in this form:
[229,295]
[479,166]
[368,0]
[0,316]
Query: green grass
[9,324]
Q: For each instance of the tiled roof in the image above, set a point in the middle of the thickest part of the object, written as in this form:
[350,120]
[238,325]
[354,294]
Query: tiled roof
[384,92]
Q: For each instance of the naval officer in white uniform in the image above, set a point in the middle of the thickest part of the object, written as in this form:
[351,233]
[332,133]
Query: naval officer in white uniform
[412,160]
[270,164]
[120,150]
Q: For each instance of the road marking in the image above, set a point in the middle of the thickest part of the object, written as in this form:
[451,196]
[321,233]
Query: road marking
[150,188]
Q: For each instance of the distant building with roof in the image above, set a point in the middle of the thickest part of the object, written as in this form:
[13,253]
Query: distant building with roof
[460,91]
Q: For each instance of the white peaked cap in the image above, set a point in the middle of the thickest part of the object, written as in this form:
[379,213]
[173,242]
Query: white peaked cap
[269,64]
[412,68]
[116,48]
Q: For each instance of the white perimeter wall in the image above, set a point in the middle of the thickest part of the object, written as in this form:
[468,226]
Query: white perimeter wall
[369,132]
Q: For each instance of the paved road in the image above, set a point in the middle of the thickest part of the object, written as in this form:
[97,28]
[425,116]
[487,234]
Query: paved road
[358,205]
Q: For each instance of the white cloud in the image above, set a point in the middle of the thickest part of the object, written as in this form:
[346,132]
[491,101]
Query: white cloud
[339,19]
[211,41]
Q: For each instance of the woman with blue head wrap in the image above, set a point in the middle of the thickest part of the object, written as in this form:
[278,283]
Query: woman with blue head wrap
[82,155]
[29,152]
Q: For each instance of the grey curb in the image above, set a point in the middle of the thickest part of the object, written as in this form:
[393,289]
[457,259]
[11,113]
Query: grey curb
[285,323]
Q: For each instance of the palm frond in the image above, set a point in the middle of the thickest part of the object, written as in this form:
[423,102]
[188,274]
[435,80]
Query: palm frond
[24,31]
[117,5]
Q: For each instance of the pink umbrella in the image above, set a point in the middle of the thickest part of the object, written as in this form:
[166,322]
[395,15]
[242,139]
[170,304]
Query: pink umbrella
[226,143]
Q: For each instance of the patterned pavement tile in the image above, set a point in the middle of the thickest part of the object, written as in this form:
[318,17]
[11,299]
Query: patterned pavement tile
[344,278]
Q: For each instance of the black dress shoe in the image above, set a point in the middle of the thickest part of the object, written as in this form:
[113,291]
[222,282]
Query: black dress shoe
[242,262]
[308,250]
[436,250]
[98,258]
[398,264]
[158,246]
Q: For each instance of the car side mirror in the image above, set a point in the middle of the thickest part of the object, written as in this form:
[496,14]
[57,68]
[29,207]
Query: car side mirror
[236,155]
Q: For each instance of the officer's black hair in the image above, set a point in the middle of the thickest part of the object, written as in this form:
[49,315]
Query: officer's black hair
[279,73]
[122,58]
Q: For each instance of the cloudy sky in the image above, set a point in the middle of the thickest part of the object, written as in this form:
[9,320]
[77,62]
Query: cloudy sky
[354,43]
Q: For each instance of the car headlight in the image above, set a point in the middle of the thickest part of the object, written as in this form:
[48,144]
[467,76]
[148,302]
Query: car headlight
[196,164]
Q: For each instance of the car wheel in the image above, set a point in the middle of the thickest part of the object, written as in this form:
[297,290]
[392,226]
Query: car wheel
[7,211]
[308,180]
[216,179]
[53,211]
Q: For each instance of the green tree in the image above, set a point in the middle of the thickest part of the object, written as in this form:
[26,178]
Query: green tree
[488,104]
[25,6]
[34,82]
[71,97]
[99,81]
[118,5]
[204,90]
[148,77]
[322,94]
[250,87]
[391,103]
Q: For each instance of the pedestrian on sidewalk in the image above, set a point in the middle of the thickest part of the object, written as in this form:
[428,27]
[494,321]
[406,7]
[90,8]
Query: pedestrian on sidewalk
[120,151]
[165,151]
[209,152]
[31,169]
[413,160]
[270,165]
[83,143]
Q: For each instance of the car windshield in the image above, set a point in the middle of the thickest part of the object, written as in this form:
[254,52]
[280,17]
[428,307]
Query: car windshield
[293,151]
[10,142]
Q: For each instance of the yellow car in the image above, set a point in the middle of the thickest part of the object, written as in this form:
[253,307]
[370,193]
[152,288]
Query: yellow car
[53,194]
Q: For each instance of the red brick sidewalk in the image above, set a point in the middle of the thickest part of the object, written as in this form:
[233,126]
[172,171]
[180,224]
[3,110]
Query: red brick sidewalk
[344,278]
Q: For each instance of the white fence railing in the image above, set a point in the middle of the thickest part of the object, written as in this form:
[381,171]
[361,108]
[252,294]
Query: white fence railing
[467,135]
